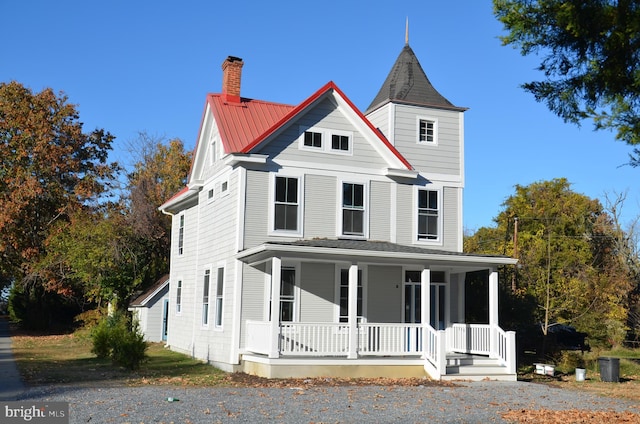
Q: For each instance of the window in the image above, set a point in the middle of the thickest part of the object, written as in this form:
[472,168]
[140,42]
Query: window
[181,235]
[313,139]
[326,140]
[426,131]
[428,215]
[287,294]
[205,297]
[224,187]
[344,295]
[219,291]
[179,297]
[286,204]
[353,219]
[210,193]
[340,142]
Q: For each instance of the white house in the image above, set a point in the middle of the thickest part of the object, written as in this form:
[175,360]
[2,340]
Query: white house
[315,240]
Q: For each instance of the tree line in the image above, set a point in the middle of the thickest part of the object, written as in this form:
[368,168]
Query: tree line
[77,230]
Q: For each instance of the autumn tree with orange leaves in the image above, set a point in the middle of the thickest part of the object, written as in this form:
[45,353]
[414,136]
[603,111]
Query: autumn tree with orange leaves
[49,169]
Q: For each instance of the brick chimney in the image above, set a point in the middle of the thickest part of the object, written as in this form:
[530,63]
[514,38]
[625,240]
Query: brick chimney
[231,76]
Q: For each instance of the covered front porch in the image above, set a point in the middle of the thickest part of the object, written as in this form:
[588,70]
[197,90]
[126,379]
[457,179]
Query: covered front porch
[418,293]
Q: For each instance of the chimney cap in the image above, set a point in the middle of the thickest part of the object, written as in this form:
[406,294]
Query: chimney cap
[233,59]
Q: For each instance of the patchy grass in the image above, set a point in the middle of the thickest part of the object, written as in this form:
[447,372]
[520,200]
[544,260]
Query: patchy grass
[65,359]
[627,388]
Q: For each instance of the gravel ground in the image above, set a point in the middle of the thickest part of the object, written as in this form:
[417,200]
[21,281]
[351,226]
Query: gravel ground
[481,402]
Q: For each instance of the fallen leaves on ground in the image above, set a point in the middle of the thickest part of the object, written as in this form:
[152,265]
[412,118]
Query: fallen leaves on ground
[239,379]
[571,416]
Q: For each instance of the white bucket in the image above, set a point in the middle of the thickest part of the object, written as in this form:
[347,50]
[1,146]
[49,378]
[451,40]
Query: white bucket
[580,374]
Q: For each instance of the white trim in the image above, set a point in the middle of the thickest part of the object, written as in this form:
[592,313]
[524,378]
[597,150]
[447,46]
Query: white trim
[427,119]
[326,140]
[236,308]
[241,207]
[221,265]
[271,215]
[340,207]
[204,325]
[270,250]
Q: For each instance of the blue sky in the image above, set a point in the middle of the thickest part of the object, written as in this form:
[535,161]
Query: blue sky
[134,66]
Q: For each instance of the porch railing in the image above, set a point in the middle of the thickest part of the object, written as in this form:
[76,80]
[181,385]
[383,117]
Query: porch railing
[314,339]
[390,339]
[384,339]
[482,339]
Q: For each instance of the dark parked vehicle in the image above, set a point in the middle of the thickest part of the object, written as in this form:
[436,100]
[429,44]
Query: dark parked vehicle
[559,337]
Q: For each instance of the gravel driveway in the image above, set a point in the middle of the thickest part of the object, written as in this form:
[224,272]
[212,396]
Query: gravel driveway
[481,402]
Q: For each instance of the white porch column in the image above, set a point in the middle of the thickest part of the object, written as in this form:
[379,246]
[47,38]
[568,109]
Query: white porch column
[425,308]
[274,323]
[493,312]
[352,317]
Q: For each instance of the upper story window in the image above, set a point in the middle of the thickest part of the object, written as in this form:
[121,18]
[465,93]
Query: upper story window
[181,236]
[286,205]
[340,142]
[427,131]
[428,215]
[326,140]
[353,209]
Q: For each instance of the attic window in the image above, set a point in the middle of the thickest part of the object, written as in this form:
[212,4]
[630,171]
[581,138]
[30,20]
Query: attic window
[325,140]
[313,139]
[427,131]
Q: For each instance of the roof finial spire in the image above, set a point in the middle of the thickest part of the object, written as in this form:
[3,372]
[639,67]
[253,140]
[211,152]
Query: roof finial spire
[406,33]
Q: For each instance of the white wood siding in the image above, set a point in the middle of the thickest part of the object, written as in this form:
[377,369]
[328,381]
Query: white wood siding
[319,211]
[443,158]
[451,217]
[380,211]
[254,297]
[257,208]
[384,288]
[317,292]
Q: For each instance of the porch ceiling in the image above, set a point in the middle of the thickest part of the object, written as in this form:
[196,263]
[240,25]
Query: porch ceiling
[371,251]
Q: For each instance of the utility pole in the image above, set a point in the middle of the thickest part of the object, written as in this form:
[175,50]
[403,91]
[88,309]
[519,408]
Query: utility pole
[515,253]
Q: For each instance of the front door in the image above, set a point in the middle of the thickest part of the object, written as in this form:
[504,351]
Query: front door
[165,320]
[412,299]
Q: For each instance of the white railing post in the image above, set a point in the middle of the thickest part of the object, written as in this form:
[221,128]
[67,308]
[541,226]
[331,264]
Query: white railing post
[353,312]
[511,352]
[493,314]
[441,364]
[425,302]
[274,324]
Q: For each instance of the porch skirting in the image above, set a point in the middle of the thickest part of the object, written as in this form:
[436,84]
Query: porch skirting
[305,367]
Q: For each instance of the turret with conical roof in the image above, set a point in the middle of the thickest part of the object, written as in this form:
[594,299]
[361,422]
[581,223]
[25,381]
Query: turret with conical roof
[407,83]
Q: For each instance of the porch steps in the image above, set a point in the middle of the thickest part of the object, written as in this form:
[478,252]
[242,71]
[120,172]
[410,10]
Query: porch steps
[475,368]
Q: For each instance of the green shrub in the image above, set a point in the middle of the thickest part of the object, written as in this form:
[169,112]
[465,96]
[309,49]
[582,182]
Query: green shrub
[117,338]
[570,360]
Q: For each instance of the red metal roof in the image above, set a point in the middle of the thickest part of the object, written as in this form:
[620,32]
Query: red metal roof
[241,123]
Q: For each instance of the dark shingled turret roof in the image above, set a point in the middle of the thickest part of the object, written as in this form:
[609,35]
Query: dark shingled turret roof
[407,83]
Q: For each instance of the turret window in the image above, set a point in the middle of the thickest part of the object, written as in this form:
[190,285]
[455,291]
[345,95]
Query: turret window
[427,131]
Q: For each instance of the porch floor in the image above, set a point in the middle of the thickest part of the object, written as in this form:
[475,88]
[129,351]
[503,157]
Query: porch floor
[459,367]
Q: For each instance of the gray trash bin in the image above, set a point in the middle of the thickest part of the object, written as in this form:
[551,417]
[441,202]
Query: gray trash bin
[609,369]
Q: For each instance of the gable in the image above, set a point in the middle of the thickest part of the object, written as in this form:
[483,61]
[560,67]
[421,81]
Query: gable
[325,120]
[329,109]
